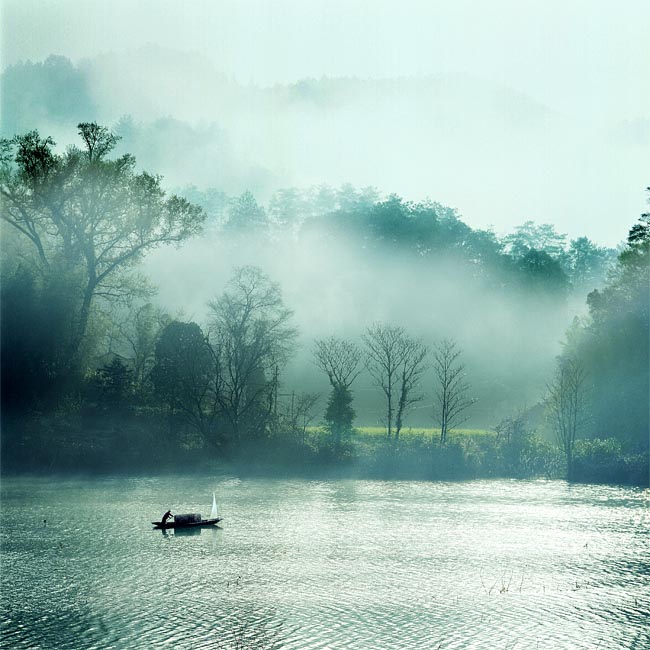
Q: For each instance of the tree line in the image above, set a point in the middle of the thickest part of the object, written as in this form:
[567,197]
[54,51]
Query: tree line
[533,258]
[598,398]
[222,381]
[76,225]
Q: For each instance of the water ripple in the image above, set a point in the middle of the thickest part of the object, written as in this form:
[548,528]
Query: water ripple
[324,565]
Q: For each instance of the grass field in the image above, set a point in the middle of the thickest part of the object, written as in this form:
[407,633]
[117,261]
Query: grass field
[374,433]
[427,432]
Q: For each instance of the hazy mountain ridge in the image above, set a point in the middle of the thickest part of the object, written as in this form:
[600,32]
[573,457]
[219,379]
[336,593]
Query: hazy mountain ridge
[411,136]
[459,140]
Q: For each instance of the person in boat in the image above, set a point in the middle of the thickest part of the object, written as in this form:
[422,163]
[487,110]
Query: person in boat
[166,516]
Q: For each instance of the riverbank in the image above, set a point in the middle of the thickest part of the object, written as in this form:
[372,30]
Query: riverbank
[134,446]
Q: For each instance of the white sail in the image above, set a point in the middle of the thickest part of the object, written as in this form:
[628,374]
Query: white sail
[213,513]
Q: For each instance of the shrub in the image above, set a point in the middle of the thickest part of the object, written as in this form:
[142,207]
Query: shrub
[605,461]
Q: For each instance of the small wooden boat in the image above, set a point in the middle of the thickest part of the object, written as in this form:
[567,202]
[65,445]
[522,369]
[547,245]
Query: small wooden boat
[185,524]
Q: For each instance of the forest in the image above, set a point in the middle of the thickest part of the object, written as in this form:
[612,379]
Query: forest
[100,372]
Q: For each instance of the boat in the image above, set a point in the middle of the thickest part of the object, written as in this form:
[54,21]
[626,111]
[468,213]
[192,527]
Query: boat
[186,524]
[189,520]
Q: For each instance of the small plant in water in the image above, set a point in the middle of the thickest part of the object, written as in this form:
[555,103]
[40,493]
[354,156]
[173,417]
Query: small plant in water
[505,588]
[258,636]
[255,631]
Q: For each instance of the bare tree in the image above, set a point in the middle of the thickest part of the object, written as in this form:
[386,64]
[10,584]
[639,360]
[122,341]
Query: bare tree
[411,369]
[298,413]
[251,334]
[452,400]
[138,329]
[397,362]
[340,360]
[566,403]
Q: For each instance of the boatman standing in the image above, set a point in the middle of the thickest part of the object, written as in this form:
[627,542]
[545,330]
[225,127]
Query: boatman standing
[166,516]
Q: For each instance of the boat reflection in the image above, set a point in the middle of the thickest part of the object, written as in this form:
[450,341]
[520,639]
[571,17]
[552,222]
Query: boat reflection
[181,532]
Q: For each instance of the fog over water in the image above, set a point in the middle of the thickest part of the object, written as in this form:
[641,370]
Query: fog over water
[336,564]
[369,275]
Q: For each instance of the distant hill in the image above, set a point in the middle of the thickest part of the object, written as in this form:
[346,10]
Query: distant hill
[497,155]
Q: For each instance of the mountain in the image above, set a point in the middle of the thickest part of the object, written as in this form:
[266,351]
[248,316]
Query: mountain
[497,155]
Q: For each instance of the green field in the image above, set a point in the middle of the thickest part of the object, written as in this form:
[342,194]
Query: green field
[374,433]
[427,432]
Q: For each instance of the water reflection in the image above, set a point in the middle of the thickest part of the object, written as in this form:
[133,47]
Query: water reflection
[181,532]
[339,565]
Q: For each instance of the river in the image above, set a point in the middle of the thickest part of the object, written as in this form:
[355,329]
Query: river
[297,564]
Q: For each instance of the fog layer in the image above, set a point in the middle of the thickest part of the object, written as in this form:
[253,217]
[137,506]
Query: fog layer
[497,155]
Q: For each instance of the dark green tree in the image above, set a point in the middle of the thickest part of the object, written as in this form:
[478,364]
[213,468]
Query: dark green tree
[614,345]
[88,216]
[36,324]
[542,275]
[185,377]
[339,415]
[114,384]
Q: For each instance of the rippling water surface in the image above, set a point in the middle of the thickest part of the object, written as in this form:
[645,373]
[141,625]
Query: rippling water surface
[337,564]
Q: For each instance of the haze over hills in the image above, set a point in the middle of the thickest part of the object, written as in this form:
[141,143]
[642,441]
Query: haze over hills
[493,153]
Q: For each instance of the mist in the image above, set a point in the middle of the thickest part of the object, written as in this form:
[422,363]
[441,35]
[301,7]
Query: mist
[500,121]
[496,154]
[509,338]
[372,276]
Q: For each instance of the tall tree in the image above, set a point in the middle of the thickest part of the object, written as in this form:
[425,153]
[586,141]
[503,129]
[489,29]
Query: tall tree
[340,360]
[452,395]
[252,336]
[246,216]
[566,405]
[88,215]
[412,366]
[396,361]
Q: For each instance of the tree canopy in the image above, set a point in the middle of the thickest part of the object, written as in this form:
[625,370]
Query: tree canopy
[613,345]
[86,215]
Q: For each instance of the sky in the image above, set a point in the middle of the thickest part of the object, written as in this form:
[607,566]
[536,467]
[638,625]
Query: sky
[588,56]
[586,59]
